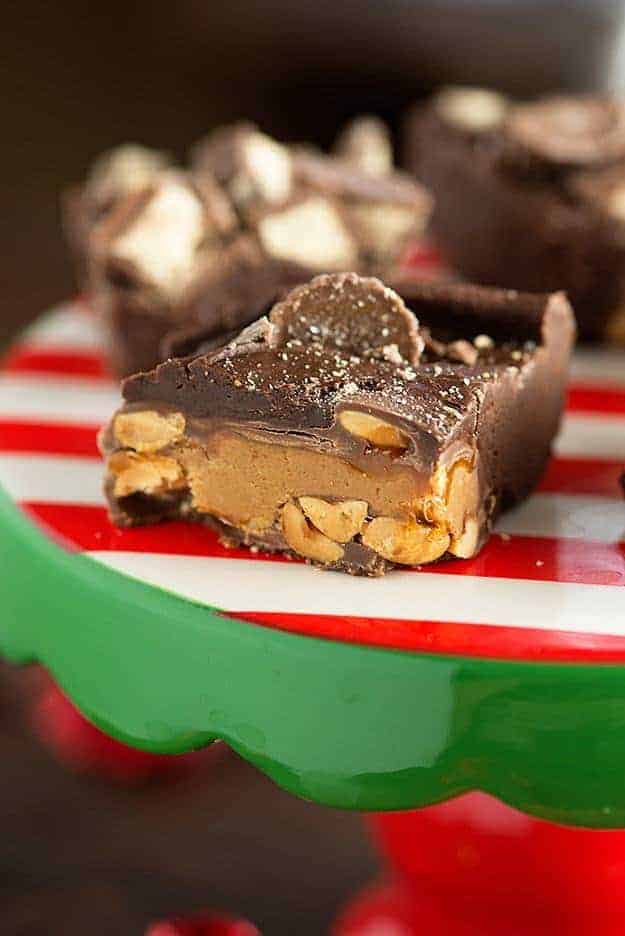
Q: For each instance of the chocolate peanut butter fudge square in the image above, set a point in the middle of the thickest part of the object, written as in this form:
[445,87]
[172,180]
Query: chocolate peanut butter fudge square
[529,195]
[353,427]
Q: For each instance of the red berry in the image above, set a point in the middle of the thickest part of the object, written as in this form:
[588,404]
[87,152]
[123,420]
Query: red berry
[78,743]
[205,924]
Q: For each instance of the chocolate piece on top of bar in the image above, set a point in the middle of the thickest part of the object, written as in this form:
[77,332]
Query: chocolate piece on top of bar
[365,144]
[350,427]
[527,194]
[114,175]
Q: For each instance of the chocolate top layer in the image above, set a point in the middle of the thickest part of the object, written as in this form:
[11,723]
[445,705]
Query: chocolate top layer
[343,341]
[457,310]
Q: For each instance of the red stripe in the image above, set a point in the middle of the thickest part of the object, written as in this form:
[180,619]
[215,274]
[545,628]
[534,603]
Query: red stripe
[68,362]
[48,438]
[462,639]
[608,399]
[598,477]
[544,559]
[539,559]
[573,561]
[88,527]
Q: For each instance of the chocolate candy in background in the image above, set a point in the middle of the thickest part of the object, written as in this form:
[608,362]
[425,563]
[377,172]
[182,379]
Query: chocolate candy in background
[223,296]
[365,143]
[318,212]
[529,196]
[170,255]
[205,249]
[351,426]
[384,211]
[120,172]
[255,170]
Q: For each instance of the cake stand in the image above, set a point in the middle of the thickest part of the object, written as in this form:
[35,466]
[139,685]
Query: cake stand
[485,696]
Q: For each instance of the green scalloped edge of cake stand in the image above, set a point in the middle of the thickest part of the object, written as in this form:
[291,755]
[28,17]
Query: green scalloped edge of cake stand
[345,725]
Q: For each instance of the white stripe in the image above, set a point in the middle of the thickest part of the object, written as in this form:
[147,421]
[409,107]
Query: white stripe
[68,326]
[598,367]
[245,585]
[592,437]
[567,517]
[70,400]
[60,479]
[52,479]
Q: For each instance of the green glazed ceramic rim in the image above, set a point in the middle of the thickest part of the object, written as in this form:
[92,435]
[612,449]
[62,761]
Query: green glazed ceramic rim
[350,726]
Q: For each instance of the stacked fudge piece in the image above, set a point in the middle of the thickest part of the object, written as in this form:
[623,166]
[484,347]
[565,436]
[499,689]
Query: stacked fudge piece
[530,195]
[166,250]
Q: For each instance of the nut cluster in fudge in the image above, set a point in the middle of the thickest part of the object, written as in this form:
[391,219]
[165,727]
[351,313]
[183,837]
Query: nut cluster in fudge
[530,195]
[352,426]
[166,248]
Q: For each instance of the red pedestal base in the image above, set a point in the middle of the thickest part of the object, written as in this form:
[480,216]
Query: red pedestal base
[475,867]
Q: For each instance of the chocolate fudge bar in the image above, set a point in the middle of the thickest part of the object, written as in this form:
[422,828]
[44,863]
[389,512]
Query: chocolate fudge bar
[529,195]
[351,426]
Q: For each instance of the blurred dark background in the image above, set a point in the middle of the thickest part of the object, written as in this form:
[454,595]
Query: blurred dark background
[76,79]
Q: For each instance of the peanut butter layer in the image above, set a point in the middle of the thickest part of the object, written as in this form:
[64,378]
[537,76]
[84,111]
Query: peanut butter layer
[344,430]
[279,494]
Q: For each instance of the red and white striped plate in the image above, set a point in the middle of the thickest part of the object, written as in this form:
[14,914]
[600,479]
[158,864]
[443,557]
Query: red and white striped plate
[549,585]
